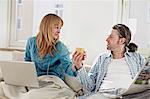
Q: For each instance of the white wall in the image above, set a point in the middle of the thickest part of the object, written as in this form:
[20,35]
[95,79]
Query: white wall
[3,23]
[86,23]
[41,8]
[142,37]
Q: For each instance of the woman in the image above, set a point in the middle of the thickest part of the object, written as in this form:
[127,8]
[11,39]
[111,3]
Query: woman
[50,55]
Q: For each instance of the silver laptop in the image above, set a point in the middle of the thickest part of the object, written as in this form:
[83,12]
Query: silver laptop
[20,73]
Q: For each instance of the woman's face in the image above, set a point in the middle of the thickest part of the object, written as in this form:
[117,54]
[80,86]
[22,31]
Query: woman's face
[56,31]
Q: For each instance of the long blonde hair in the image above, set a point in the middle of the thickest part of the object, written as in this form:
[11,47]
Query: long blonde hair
[44,39]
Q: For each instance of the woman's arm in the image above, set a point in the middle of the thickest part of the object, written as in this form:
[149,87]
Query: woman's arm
[65,60]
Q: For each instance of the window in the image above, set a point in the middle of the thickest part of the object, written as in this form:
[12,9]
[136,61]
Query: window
[26,16]
[21,22]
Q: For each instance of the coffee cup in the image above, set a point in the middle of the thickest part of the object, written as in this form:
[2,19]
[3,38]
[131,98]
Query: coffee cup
[80,50]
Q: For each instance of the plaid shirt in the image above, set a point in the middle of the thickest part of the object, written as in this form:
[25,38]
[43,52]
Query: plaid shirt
[93,79]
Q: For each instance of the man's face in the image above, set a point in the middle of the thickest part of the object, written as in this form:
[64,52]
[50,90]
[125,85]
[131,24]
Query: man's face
[113,40]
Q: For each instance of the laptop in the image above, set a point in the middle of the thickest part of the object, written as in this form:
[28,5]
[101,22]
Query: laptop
[20,73]
[137,85]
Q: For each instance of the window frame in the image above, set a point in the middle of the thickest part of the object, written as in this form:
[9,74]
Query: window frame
[14,41]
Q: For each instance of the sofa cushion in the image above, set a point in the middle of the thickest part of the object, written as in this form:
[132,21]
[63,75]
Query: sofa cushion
[18,56]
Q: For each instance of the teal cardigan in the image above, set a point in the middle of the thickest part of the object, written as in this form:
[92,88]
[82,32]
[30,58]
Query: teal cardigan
[56,65]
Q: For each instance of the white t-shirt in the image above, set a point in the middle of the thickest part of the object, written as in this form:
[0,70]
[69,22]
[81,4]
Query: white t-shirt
[118,75]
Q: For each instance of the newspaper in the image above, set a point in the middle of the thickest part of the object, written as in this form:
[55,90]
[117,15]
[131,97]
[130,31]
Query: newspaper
[140,83]
[144,78]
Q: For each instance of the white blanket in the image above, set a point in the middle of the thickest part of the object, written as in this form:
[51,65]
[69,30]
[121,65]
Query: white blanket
[56,90]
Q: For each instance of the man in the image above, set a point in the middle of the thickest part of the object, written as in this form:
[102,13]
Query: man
[115,69]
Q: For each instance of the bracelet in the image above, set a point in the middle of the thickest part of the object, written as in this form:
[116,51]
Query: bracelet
[79,68]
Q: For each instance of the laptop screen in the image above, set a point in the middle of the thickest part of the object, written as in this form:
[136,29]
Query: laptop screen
[19,73]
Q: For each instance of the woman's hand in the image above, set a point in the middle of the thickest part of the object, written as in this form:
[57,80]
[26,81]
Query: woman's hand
[77,60]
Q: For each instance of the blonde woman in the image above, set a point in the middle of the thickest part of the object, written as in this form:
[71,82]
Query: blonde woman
[51,57]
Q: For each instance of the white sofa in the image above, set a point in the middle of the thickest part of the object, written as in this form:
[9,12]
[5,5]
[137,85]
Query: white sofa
[19,56]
